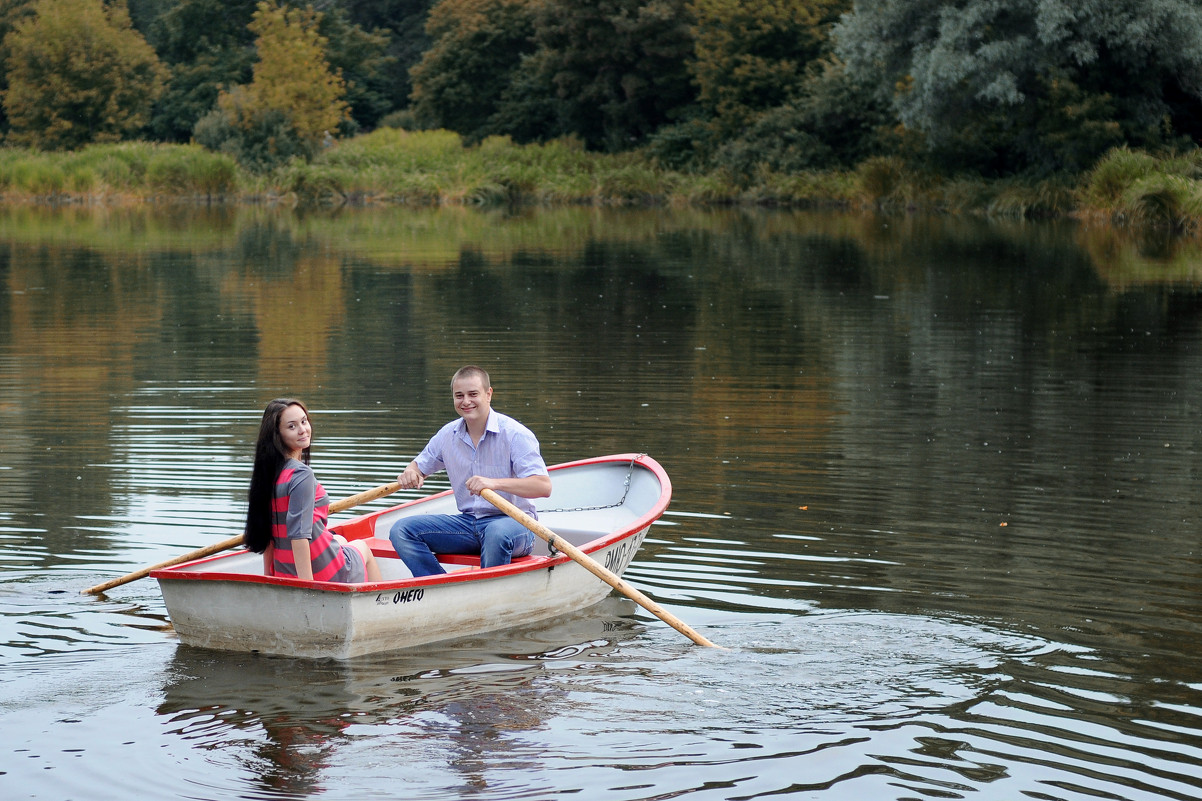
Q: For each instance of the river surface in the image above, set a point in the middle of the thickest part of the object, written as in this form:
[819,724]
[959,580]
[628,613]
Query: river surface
[935,490]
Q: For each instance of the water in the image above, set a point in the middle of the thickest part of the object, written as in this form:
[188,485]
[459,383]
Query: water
[934,489]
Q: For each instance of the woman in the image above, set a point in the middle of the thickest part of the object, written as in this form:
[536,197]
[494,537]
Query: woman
[287,509]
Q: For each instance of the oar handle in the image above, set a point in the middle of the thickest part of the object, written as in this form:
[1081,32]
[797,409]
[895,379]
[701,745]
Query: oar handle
[594,567]
[364,497]
[235,542]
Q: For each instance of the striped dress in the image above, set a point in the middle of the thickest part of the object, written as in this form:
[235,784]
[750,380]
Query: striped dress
[299,511]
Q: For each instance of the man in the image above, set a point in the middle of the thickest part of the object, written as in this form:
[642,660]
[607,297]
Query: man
[481,450]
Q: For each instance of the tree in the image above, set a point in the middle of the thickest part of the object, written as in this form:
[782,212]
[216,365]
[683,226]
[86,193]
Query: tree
[1011,85]
[829,122]
[78,73]
[770,96]
[293,87]
[404,23]
[12,12]
[477,48]
[207,45]
[752,55]
[361,57]
[617,68]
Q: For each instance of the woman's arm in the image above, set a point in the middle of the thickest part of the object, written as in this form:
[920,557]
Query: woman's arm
[269,560]
[301,498]
[300,556]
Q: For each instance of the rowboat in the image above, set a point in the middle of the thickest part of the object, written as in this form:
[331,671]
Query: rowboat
[604,506]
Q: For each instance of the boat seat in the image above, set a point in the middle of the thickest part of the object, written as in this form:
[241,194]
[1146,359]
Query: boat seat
[382,549]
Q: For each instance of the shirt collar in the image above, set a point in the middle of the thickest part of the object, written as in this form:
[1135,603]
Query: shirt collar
[493,424]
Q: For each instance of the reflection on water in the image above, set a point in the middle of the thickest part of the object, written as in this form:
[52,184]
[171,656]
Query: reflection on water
[934,486]
[470,700]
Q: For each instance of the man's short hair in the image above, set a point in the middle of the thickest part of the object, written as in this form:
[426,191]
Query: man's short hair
[471,371]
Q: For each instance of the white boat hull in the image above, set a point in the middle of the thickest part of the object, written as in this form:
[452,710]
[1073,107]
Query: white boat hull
[226,603]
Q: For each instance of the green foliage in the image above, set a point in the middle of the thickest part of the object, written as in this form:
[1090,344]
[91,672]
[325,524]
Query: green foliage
[1043,85]
[78,73]
[118,168]
[187,30]
[259,141]
[1111,177]
[824,188]
[206,44]
[293,101]
[362,59]
[608,71]
[1137,186]
[12,13]
[209,45]
[191,170]
[831,123]
[396,149]
[774,142]
[686,146]
[26,173]
[1021,198]
[751,55]
[193,90]
[127,168]
[882,179]
[436,167]
[402,118]
[1162,199]
[771,98]
[477,48]
[403,22]
[530,110]
[617,68]
[291,75]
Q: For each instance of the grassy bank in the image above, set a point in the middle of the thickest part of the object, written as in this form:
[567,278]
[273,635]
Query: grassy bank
[393,166]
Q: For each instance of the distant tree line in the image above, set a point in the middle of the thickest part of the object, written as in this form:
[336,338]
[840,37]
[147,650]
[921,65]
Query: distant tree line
[991,87]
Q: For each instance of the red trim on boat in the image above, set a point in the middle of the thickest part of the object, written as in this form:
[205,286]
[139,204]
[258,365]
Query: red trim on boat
[363,527]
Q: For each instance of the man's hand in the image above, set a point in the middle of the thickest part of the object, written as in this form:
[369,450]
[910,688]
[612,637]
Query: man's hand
[529,487]
[476,484]
[411,478]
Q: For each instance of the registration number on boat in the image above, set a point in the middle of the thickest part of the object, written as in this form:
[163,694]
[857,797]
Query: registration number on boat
[618,558]
[401,596]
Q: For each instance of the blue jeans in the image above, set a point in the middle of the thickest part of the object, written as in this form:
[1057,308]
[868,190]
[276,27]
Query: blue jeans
[497,538]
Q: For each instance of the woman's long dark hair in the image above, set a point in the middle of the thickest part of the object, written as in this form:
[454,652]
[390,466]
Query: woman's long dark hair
[270,456]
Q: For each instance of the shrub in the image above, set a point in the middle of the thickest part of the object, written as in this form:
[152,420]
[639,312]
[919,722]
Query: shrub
[1160,199]
[191,170]
[1019,198]
[880,178]
[314,183]
[265,140]
[685,146]
[1117,170]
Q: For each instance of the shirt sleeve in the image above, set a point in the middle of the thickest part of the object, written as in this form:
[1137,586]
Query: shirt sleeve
[302,494]
[524,456]
[430,460]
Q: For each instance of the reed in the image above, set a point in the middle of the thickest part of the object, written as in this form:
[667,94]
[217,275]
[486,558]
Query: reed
[1137,187]
[426,168]
[190,171]
[136,169]
[1106,183]
[1160,199]
[1026,198]
[814,189]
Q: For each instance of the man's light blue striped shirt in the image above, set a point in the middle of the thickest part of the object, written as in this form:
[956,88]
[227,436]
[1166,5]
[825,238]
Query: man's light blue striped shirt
[507,450]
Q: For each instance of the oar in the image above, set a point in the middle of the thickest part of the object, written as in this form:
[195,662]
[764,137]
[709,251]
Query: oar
[235,542]
[592,566]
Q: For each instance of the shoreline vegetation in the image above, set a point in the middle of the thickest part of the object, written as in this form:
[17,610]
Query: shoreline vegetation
[392,166]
